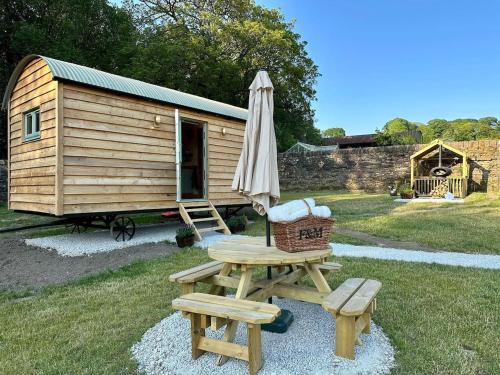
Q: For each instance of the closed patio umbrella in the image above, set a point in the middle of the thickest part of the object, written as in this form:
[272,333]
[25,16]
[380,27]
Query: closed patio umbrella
[256,176]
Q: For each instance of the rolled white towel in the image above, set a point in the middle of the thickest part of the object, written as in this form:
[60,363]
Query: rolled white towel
[283,212]
[322,211]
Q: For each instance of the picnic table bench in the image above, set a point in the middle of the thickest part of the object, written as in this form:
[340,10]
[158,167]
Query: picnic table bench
[352,305]
[190,277]
[200,305]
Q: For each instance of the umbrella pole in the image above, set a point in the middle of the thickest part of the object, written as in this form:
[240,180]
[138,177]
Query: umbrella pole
[282,322]
[268,244]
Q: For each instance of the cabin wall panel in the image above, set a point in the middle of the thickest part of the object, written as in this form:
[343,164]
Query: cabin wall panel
[224,151]
[32,164]
[117,159]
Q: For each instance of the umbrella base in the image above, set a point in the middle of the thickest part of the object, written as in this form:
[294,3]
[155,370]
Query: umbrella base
[281,324]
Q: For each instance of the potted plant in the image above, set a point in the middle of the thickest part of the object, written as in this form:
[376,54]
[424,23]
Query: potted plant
[237,223]
[406,192]
[185,236]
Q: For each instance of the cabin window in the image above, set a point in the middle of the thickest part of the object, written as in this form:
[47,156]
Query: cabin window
[32,125]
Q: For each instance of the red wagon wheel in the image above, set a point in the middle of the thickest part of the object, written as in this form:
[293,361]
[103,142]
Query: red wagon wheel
[122,229]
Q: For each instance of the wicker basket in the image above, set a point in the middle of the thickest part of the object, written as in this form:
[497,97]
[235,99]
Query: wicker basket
[307,233]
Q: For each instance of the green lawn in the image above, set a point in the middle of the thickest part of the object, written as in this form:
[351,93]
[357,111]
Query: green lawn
[470,227]
[441,320]
[10,219]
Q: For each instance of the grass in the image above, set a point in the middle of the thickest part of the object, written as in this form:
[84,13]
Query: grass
[441,320]
[470,227]
[10,219]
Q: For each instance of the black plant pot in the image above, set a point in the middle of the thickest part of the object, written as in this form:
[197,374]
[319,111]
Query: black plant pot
[237,228]
[185,241]
[406,195]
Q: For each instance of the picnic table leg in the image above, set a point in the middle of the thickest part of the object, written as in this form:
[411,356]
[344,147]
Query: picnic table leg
[217,289]
[254,348]
[243,288]
[196,333]
[317,277]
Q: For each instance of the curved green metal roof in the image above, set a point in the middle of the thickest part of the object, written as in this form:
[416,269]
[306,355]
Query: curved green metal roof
[62,70]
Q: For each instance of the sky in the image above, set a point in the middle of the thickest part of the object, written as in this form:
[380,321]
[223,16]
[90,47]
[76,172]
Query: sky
[416,59]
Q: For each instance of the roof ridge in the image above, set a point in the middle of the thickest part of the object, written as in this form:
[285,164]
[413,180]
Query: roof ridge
[109,81]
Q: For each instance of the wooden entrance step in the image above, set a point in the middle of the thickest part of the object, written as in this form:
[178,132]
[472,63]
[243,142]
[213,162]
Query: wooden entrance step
[186,207]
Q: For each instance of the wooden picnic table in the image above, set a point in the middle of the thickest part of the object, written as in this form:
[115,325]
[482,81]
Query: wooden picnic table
[352,303]
[290,268]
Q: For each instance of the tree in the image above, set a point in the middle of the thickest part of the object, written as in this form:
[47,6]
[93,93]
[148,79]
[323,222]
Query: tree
[88,32]
[456,130]
[214,49]
[398,131]
[398,125]
[207,48]
[471,129]
[427,132]
[438,127]
[333,132]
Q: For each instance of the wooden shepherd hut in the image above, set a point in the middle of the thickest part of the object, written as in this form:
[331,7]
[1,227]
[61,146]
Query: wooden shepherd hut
[85,142]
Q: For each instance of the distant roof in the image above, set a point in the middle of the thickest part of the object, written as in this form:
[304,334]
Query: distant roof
[435,145]
[304,147]
[349,139]
[62,70]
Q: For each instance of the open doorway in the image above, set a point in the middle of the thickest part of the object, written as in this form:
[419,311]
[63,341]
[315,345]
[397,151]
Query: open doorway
[193,162]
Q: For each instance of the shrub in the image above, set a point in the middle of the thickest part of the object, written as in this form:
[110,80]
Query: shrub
[185,231]
[235,221]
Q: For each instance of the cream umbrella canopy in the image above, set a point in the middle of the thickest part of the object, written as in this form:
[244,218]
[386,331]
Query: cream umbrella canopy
[256,175]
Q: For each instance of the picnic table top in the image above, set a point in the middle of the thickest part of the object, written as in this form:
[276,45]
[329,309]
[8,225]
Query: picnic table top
[253,251]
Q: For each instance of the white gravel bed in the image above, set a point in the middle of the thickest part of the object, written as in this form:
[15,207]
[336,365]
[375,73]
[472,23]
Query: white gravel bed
[77,244]
[306,348]
[429,200]
[440,257]
[98,242]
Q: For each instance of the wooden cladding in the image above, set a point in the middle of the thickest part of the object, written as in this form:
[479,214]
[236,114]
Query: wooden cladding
[32,166]
[117,159]
[103,152]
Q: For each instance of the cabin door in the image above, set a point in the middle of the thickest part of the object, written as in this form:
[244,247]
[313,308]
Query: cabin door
[191,159]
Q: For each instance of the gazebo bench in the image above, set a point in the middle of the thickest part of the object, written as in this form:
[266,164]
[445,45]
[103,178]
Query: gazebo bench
[200,305]
[190,277]
[352,305]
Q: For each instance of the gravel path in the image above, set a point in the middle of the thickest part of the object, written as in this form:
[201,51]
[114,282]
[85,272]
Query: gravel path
[440,257]
[429,200]
[101,242]
[306,348]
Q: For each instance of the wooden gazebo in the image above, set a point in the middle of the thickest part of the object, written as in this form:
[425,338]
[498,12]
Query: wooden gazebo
[426,176]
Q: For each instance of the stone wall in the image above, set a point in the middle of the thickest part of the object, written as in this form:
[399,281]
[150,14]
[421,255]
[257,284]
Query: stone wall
[3,180]
[375,168]
[369,169]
